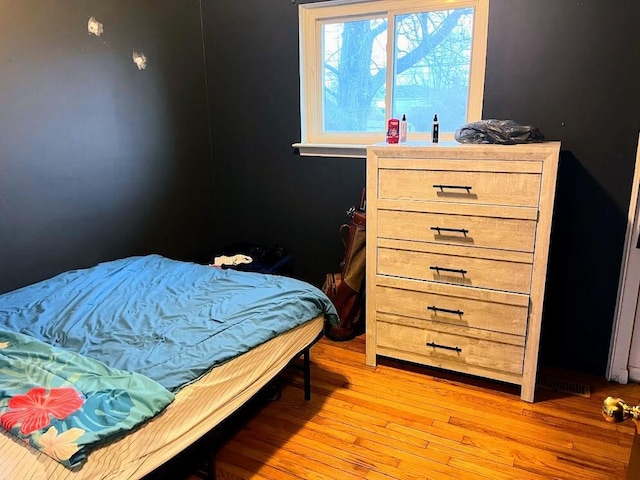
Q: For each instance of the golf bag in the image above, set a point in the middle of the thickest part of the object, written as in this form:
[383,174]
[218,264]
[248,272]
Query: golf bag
[346,288]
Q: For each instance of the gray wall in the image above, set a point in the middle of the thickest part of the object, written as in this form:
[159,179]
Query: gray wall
[99,160]
[570,68]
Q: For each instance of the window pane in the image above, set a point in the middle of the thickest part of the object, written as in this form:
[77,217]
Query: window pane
[354,70]
[432,68]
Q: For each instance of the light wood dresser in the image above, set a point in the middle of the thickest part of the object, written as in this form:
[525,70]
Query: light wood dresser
[457,248]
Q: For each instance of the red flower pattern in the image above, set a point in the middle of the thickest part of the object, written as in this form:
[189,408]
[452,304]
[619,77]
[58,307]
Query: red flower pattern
[33,409]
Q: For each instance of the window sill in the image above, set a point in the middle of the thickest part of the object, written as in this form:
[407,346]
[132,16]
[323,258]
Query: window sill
[331,150]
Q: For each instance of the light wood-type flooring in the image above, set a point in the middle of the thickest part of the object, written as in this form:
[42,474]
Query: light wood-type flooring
[401,421]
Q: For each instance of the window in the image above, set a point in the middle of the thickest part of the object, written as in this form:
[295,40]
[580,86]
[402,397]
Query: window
[363,62]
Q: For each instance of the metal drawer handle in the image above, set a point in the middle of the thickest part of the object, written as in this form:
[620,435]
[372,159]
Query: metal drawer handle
[463,231]
[444,310]
[452,270]
[453,187]
[446,347]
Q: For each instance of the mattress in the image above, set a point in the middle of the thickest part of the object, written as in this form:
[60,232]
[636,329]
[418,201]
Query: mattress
[196,409]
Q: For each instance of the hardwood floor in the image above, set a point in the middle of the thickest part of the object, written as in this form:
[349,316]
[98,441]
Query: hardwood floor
[401,421]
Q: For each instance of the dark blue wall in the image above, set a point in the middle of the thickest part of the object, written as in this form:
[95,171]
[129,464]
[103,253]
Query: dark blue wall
[570,68]
[266,193]
[573,68]
[99,160]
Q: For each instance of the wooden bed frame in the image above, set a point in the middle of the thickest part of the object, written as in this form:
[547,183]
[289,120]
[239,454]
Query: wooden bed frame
[197,409]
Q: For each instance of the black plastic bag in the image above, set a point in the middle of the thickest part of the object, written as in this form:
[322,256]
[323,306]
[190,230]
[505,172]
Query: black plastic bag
[506,132]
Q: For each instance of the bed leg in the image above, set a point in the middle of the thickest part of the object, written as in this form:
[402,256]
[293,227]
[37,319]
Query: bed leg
[211,453]
[307,375]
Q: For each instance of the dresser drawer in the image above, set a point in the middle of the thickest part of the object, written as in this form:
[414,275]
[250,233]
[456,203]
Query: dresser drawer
[445,305]
[498,188]
[490,232]
[455,269]
[464,349]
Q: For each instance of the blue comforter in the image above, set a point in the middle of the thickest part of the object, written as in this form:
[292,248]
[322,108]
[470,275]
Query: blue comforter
[168,320]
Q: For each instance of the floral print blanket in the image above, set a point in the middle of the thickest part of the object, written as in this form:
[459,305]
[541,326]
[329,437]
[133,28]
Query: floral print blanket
[66,404]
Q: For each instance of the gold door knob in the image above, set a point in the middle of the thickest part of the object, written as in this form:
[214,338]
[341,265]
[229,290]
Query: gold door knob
[615,410]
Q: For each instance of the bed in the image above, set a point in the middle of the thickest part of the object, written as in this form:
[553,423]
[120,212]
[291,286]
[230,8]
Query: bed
[187,344]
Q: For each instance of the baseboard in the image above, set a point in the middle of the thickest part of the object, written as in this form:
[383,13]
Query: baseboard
[620,376]
[634,374]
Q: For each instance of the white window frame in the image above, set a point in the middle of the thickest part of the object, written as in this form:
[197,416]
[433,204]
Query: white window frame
[312,15]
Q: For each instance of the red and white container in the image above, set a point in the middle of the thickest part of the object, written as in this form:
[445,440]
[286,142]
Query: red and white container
[393,130]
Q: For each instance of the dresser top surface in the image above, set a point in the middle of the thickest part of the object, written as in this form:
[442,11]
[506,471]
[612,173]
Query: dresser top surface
[524,151]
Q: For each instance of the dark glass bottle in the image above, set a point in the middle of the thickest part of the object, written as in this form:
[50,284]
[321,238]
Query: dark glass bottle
[436,129]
